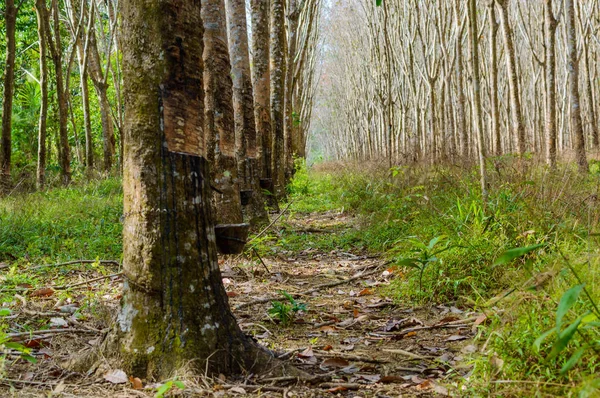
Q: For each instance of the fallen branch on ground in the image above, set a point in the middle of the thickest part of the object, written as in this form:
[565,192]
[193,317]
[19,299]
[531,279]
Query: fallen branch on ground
[51,331]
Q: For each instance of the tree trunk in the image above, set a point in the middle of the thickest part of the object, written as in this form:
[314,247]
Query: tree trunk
[278,67]
[573,68]
[40,10]
[461,119]
[174,310]
[262,82]
[550,25]
[10,15]
[64,151]
[219,131]
[292,18]
[495,111]
[513,82]
[473,40]
[243,110]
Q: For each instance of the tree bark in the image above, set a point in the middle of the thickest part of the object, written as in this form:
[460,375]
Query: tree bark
[262,82]
[474,43]
[462,122]
[55,45]
[574,102]
[550,25]
[98,78]
[219,127]
[174,310]
[495,111]
[243,110]
[278,68]
[513,82]
[10,15]
[40,10]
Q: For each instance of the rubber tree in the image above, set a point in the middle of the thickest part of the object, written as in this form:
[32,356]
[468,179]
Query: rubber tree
[40,9]
[174,310]
[574,99]
[243,110]
[278,67]
[219,132]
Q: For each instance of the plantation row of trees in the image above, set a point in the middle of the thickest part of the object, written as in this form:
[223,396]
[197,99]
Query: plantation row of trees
[63,108]
[423,79]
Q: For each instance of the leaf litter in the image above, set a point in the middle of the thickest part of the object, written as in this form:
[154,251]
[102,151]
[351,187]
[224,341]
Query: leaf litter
[349,336]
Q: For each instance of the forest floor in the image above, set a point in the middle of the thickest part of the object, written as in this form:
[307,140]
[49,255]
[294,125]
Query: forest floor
[383,283]
[359,341]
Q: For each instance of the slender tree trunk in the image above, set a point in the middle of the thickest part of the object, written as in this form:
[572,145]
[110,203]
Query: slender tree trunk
[495,111]
[473,40]
[40,10]
[590,95]
[292,19]
[462,121]
[244,117]
[174,309]
[99,80]
[550,25]
[219,131]
[262,82]
[513,82]
[278,67]
[64,151]
[574,100]
[10,15]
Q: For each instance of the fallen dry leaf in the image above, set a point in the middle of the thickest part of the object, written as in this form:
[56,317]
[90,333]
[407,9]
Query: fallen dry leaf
[43,292]
[426,385]
[391,379]
[307,353]
[335,363]
[410,334]
[365,292]
[116,376]
[456,337]
[237,390]
[136,383]
[327,329]
[328,347]
[337,389]
[232,294]
[60,387]
[449,318]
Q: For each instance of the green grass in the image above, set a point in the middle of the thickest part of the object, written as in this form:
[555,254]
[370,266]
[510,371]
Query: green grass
[79,222]
[399,212]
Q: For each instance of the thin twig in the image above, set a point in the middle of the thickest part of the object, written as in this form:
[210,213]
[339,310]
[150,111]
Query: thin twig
[65,287]
[51,331]
[104,262]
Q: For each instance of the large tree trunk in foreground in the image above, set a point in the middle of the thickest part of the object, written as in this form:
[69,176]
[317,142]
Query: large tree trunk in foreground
[574,100]
[174,309]
[243,109]
[218,112]
[9,87]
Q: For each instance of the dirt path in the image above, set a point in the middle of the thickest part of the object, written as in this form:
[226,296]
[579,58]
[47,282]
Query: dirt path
[358,342]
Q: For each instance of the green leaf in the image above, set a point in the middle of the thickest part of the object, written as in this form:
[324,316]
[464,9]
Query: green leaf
[566,302]
[160,392]
[538,342]
[29,358]
[564,338]
[179,384]
[572,361]
[378,2]
[408,262]
[5,311]
[511,254]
